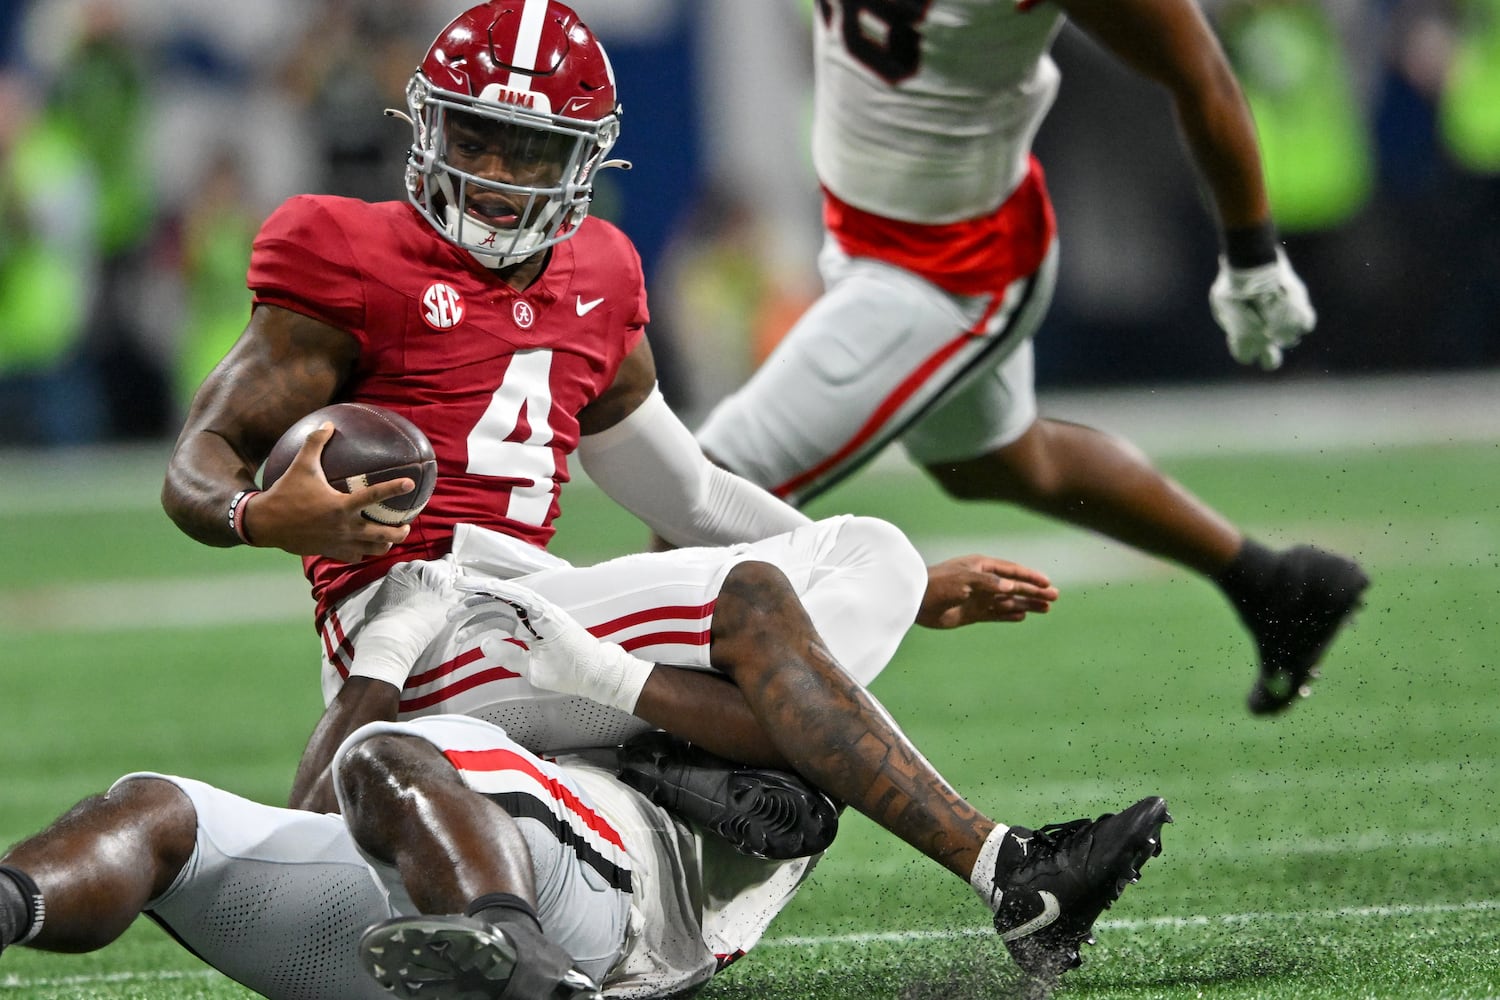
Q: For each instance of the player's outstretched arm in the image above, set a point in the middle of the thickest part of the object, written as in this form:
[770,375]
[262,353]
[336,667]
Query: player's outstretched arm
[1171,42]
[359,701]
[283,367]
[1257,298]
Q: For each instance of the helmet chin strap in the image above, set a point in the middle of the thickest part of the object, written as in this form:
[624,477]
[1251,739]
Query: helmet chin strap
[461,226]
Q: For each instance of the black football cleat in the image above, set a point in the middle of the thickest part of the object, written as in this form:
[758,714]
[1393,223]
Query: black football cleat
[762,812]
[1051,884]
[1307,598]
[450,957]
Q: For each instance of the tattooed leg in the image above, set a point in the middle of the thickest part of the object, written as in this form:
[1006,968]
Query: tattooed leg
[829,728]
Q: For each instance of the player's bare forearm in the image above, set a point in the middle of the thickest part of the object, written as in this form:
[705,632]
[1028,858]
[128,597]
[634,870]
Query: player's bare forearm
[1171,42]
[1220,134]
[216,455]
[360,700]
[709,710]
[202,477]
[283,367]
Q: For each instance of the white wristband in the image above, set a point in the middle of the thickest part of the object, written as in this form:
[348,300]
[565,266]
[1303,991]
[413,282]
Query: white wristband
[628,678]
[389,644]
[599,671]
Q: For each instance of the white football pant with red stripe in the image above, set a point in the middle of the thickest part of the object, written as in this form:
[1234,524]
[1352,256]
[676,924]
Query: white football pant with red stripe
[859,578]
[884,355]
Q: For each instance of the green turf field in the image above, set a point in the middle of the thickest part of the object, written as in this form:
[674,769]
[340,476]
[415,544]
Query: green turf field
[1348,849]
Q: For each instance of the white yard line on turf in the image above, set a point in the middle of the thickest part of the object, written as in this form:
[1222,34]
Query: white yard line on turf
[1202,920]
[14,982]
[1070,558]
[192,602]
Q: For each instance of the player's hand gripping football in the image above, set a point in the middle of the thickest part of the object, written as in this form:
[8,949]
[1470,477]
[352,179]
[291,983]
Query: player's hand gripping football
[1263,310]
[302,514]
[406,614]
[561,654]
[976,588]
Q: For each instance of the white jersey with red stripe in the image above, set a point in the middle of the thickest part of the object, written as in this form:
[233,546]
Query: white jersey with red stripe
[926,112]
[884,355]
[859,579]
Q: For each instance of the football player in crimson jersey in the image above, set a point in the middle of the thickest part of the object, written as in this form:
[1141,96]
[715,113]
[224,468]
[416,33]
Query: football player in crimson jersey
[494,313]
[939,264]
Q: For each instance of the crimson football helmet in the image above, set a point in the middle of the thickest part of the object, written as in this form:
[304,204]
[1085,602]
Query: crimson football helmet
[523,85]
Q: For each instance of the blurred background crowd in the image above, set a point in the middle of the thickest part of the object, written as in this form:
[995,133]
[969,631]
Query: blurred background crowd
[143,141]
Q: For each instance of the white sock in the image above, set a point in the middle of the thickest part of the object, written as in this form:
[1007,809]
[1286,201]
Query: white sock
[982,878]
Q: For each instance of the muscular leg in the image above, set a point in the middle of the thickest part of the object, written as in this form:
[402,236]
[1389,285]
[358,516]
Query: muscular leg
[1092,479]
[457,852]
[1293,602]
[100,863]
[407,806]
[828,727]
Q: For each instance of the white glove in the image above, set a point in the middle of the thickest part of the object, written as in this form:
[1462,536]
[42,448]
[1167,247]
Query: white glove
[1261,309]
[561,654]
[407,612]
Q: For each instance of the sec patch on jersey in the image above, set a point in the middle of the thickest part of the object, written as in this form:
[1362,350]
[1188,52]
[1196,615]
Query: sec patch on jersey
[370,445]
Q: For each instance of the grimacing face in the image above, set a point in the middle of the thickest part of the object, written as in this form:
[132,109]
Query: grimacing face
[505,153]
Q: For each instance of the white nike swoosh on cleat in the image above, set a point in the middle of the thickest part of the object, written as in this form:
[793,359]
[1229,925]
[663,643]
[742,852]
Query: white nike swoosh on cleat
[1050,912]
[585,307]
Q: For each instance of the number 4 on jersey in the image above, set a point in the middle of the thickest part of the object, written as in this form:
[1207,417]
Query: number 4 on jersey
[524,398]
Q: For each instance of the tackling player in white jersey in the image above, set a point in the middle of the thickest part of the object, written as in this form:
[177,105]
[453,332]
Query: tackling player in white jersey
[939,265]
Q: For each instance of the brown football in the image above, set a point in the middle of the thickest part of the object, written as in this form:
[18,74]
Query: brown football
[370,444]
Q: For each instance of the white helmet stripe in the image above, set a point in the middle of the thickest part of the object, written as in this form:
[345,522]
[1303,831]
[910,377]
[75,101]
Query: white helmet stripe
[609,67]
[528,39]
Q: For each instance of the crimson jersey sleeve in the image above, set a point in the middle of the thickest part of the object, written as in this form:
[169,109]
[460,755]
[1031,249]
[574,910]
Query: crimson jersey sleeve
[302,261]
[640,316]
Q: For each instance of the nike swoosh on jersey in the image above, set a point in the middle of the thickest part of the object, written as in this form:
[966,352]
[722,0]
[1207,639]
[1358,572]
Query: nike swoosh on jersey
[1050,912]
[586,307]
